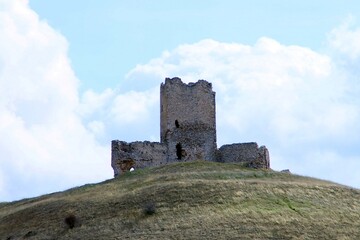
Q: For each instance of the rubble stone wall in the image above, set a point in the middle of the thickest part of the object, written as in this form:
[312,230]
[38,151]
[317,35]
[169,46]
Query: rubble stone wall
[125,156]
[248,153]
[187,133]
[190,140]
[187,120]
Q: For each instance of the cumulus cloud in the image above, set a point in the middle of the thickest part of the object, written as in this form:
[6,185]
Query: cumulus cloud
[345,38]
[344,48]
[44,145]
[126,115]
[128,107]
[290,87]
[301,103]
[291,98]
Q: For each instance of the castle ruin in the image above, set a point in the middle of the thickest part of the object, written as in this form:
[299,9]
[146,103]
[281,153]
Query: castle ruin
[187,133]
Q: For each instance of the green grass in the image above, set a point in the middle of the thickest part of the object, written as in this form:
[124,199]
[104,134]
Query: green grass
[195,200]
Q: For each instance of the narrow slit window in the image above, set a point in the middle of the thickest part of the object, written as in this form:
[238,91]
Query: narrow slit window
[177,125]
[179,151]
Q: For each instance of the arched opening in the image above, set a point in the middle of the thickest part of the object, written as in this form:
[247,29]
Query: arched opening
[179,151]
[126,165]
[177,125]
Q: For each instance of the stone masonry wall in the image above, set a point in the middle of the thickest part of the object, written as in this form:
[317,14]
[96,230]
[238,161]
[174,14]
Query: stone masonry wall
[189,143]
[136,154]
[187,133]
[248,153]
[188,120]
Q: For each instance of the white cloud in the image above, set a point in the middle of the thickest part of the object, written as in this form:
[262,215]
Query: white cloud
[43,141]
[133,107]
[93,102]
[291,98]
[130,115]
[345,38]
[290,87]
[96,127]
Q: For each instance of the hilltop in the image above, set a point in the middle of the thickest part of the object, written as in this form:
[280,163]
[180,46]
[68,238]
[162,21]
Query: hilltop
[192,200]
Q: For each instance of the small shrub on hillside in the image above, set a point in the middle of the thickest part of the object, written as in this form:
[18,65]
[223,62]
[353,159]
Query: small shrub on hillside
[71,221]
[30,234]
[149,208]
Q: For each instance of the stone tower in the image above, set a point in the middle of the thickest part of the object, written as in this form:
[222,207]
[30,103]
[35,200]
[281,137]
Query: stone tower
[187,133]
[187,120]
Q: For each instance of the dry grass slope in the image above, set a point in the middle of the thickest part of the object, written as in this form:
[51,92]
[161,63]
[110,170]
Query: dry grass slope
[195,200]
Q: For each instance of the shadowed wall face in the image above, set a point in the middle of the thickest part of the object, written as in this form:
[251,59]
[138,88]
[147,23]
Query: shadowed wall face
[188,126]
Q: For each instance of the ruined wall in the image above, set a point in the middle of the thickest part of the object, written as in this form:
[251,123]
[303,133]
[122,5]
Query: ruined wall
[248,153]
[187,133]
[136,154]
[187,121]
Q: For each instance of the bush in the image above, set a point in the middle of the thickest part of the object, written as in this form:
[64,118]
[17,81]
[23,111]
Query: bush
[71,221]
[29,234]
[149,208]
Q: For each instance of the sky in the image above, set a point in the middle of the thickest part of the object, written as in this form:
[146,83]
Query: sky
[75,75]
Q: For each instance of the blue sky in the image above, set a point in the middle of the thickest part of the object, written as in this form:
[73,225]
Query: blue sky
[75,75]
[108,38]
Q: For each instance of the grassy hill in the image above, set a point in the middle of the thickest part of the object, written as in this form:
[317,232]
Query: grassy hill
[195,200]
